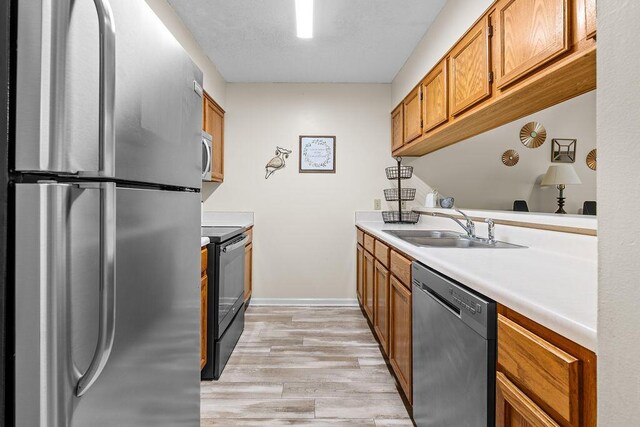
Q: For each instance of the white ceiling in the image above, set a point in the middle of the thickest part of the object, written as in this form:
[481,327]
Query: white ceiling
[355,41]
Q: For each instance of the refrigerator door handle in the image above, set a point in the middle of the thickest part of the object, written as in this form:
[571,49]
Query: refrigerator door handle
[107,136]
[107,286]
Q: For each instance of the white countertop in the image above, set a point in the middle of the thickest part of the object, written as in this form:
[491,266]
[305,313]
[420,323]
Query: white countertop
[553,281]
[204,241]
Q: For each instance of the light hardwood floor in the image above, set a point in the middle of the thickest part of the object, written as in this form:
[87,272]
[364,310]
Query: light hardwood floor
[298,366]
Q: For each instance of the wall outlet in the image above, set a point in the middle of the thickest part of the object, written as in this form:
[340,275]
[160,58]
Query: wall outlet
[404,206]
[377,204]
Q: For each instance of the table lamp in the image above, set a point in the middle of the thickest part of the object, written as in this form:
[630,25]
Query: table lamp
[560,176]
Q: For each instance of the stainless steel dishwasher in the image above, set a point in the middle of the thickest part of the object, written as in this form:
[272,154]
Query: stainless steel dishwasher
[454,353]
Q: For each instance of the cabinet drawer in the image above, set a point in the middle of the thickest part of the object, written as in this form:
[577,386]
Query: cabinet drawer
[203,260]
[547,374]
[401,268]
[360,234]
[382,253]
[369,243]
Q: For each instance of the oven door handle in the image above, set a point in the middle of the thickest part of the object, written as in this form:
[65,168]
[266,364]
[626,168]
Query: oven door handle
[235,246]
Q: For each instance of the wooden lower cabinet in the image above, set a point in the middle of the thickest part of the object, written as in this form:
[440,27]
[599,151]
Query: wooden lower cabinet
[369,288]
[381,317]
[203,320]
[400,335]
[360,273]
[515,409]
[248,271]
[543,378]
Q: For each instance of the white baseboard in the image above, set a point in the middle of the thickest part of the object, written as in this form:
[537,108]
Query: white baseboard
[332,302]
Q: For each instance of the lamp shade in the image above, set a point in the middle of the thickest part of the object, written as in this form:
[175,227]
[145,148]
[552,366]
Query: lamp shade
[560,174]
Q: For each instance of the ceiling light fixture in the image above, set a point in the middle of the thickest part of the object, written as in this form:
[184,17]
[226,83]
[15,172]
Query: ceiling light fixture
[304,18]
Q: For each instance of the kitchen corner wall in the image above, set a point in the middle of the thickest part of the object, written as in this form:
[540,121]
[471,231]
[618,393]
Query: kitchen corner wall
[213,82]
[618,228]
[304,235]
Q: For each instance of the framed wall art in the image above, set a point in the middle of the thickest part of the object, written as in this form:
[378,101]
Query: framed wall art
[317,154]
[563,150]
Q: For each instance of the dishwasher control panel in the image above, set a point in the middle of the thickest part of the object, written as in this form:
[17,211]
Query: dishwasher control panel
[476,310]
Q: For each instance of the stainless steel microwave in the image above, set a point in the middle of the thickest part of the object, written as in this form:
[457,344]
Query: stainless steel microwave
[207,156]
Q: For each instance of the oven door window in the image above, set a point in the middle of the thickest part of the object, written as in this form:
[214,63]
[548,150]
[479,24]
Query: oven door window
[231,285]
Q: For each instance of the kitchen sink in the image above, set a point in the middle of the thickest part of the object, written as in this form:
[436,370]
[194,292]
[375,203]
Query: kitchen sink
[446,239]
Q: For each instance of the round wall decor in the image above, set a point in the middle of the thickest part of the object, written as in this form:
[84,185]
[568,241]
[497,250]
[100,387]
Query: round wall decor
[510,157]
[533,135]
[592,159]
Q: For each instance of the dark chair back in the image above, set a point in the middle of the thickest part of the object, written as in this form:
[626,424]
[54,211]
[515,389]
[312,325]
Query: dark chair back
[589,208]
[520,206]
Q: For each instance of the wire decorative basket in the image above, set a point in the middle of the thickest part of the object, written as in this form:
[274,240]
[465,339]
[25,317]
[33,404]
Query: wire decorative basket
[405,217]
[405,194]
[406,172]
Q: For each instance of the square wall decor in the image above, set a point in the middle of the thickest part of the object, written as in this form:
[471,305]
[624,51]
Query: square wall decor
[563,150]
[317,154]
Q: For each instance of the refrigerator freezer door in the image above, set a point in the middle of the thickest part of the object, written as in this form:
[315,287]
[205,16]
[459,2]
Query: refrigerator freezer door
[151,377]
[62,119]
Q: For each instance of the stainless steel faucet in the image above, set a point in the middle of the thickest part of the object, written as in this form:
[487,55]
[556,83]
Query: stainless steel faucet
[469,228]
[492,230]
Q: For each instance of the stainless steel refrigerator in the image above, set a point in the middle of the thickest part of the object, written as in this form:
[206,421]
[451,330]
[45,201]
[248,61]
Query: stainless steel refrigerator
[104,218]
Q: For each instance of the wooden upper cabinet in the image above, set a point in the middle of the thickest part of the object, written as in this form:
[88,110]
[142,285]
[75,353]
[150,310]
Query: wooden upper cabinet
[397,128]
[515,409]
[530,34]
[412,106]
[590,18]
[469,61]
[435,102]
[213,124]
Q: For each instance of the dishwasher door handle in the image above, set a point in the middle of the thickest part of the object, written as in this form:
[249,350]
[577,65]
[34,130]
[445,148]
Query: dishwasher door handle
[439,299]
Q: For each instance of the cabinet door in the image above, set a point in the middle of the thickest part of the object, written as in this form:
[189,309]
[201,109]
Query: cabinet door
[369,278]
[400,341]
[397,128]
[381,318]
[248,271]
[590,21]
[515,409]
[213,124]
[412,106]
[469,61]
[435,97]
[203,320]
[360,273]
[530,34]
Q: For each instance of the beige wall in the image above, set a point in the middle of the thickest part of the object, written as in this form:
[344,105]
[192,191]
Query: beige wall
[618,228]
[304,243]
[213,82]
[473,173]
[455,18]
